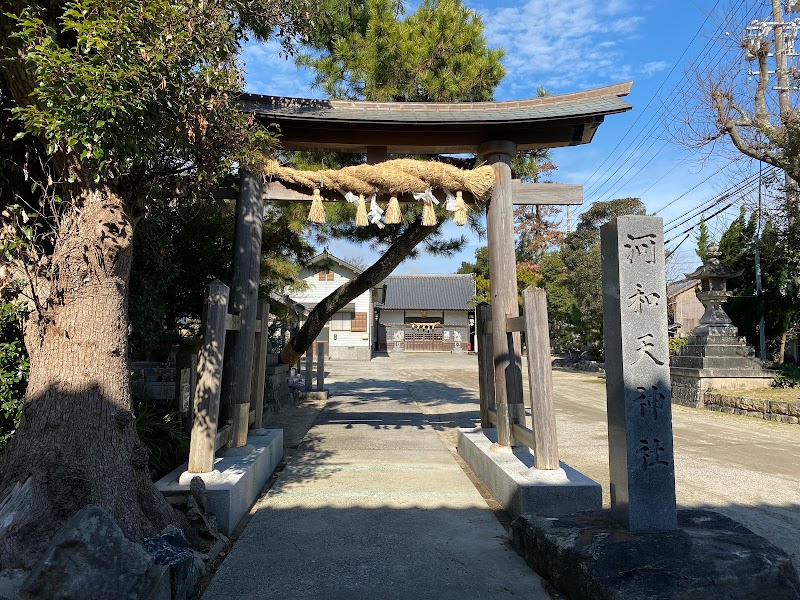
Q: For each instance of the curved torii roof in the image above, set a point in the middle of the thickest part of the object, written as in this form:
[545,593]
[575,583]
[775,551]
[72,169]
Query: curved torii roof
[434,128]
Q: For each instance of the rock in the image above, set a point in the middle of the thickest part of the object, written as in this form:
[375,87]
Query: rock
[171,548]
[90,559]
[203,522]
[13,504]
[10,582]
[709,557]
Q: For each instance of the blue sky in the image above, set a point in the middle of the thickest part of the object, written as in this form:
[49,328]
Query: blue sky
[570,45]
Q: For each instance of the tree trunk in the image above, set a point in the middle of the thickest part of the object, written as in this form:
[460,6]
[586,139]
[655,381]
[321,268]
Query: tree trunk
[782,348]
[333,302]
[77,442]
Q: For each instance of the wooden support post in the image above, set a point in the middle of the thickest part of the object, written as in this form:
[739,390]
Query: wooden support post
[309,366]
[376,154]
[243,300]
[483,315]
[260,369]
[209,379]
[320,366]
[503,289]
[540,377]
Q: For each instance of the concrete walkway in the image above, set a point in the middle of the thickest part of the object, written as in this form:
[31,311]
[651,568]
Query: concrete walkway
[744,468]
[373,505]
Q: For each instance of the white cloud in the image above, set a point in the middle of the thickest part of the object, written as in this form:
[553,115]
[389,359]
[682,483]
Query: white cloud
[653,67]
[562,44]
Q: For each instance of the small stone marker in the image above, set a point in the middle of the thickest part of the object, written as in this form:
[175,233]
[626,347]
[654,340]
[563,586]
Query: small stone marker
[637,374]
[309,367]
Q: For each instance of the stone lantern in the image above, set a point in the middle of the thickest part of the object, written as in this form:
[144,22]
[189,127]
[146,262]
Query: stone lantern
[713,276]
[714,357]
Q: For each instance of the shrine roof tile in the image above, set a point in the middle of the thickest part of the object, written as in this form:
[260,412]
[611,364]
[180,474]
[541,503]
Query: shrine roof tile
[429,292]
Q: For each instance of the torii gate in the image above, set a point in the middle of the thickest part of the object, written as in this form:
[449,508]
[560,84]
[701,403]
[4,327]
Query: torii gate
[494,131]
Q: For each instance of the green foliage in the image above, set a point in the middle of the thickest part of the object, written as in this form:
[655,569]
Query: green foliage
[779,304]
[788,376]
[159,428]
[126,100]
[13,371]
[480,269]
[183,246]
[580,254]
[703,240]
[562,308]
[531,165]
[676,342]
[114,79]
[365,50]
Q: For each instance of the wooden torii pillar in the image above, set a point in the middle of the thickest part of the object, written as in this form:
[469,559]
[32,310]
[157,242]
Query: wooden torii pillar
[245,272]
[503,289]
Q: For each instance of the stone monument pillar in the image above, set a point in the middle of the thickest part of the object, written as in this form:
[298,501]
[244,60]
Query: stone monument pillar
[715,356]
[637,374]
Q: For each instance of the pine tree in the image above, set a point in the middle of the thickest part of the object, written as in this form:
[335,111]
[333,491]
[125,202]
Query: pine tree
[436,54]
[364,50]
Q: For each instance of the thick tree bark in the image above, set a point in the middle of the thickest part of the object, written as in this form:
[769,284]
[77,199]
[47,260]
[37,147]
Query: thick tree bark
[77,443]
[335,301]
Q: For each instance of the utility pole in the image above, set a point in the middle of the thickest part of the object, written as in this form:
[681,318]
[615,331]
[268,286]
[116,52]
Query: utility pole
[782,72]
[784,35]
[784,39]
[762,340]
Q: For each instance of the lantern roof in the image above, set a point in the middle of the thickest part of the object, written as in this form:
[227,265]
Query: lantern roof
[713,268]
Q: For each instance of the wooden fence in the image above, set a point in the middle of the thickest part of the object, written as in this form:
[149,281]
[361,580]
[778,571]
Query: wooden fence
[207,436]
[541,439]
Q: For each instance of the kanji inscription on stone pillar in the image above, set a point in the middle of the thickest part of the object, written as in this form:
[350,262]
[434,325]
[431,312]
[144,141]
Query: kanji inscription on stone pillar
[637,374]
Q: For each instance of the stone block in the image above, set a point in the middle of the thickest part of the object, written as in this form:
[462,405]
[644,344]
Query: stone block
[793,409]
[518,486]
[754,405]
[588,556]
[772,417]
[171,549]
[755,414]
[727,409]
[779,408]
[237,479]
[312,394]
[788,419]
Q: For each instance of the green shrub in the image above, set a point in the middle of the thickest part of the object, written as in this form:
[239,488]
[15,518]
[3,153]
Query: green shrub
[160,430]
[675,343]
[14,368]
[788,376]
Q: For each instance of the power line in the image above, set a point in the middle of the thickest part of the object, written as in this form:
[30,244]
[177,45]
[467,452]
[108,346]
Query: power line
[630,152]
[710,217]
[691,189]
[720,197]
[738,188]
[655,95]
